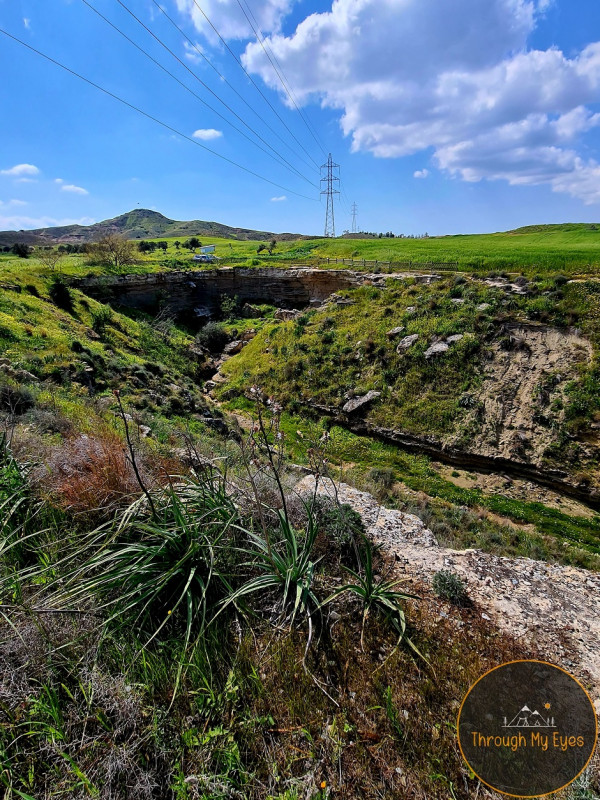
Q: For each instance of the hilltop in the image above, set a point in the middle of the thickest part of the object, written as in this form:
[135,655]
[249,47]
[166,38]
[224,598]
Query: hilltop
[137,224]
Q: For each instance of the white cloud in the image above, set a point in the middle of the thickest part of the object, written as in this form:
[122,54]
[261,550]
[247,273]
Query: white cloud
[27,23]
[69,187]
[228,18]
[17,223]
[191,52]
[20,170]
[206,134]
[278,199]
[421,173]
[13,203]
[455,79]
[58,180]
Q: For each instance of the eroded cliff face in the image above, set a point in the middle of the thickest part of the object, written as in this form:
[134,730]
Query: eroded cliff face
[523,391]
[193,296]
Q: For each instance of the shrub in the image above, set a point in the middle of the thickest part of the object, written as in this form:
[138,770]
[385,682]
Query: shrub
[342,527]
[91,474]
[213,336]
[102,317]
[450,587]
[15,399]
[21,250]
[60,294]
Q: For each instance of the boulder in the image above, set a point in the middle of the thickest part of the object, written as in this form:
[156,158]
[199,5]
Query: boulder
[410,310]
[436,349]
[251,312]
[360,402]
[286,314]
[407,342]
[483,307]
[454,338]
[395,332]
[233,347]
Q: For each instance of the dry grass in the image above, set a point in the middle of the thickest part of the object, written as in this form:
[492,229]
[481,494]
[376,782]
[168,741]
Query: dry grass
[93,474]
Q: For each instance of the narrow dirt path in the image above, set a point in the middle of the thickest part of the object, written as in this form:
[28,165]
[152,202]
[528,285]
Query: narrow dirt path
[555,607]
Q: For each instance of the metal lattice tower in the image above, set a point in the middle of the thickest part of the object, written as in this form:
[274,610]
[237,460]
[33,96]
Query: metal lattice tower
[354,213]
[330,179]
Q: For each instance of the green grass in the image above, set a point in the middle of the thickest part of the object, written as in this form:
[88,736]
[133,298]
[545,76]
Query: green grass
[328,356]
[569,248]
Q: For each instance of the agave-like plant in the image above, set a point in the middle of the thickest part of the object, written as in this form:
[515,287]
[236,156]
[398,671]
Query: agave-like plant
[380,595]
[156,569]
[284,565]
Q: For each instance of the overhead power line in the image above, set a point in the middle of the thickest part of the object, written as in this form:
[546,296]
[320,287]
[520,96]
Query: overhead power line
[277,157]
[224,79]
[256,86]
[202,83]
[150,117]
[279,73]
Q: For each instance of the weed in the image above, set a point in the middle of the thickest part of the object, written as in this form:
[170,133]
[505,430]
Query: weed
[450,587]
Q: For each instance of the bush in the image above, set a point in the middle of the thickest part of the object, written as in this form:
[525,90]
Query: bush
[20,249]
[60,294]
[213,336]
[342,527]
[101,318]
[15,399]
[450,587]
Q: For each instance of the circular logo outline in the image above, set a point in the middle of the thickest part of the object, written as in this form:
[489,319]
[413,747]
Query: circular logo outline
[527,661]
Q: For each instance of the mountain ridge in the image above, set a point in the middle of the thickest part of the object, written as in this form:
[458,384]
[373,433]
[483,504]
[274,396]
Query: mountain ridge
[139,223]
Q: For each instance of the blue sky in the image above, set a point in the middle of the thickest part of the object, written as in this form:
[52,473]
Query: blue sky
[446,117]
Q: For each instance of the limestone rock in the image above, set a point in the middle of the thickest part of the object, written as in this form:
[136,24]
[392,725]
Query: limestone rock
[407,342]
[436,349]
[286,314]
[454,338]
[233,347]
[395,332]
[359,402]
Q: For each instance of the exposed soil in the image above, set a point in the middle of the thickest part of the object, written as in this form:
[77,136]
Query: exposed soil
[519,387]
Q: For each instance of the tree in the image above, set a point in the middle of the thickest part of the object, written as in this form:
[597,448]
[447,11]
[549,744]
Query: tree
[177,244]
[272,246]
[163,246]
[260,248]
[114,251]
[20,249]
[49,258]
[192,243]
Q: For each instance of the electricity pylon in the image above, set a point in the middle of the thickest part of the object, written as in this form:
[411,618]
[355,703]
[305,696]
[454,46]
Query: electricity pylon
[354,213]
[330,179]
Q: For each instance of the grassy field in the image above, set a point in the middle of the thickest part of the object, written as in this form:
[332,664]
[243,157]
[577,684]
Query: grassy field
[571,249]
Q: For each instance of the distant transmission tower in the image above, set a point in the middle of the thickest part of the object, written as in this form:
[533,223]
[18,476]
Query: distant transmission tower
[329,180]
[354,213]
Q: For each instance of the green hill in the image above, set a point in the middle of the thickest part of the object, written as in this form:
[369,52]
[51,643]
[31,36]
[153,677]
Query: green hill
[140,223]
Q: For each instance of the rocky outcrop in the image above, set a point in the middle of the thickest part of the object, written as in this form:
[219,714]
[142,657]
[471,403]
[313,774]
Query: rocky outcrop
[194,294]
[555,607]
[556,479]
[356,403]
